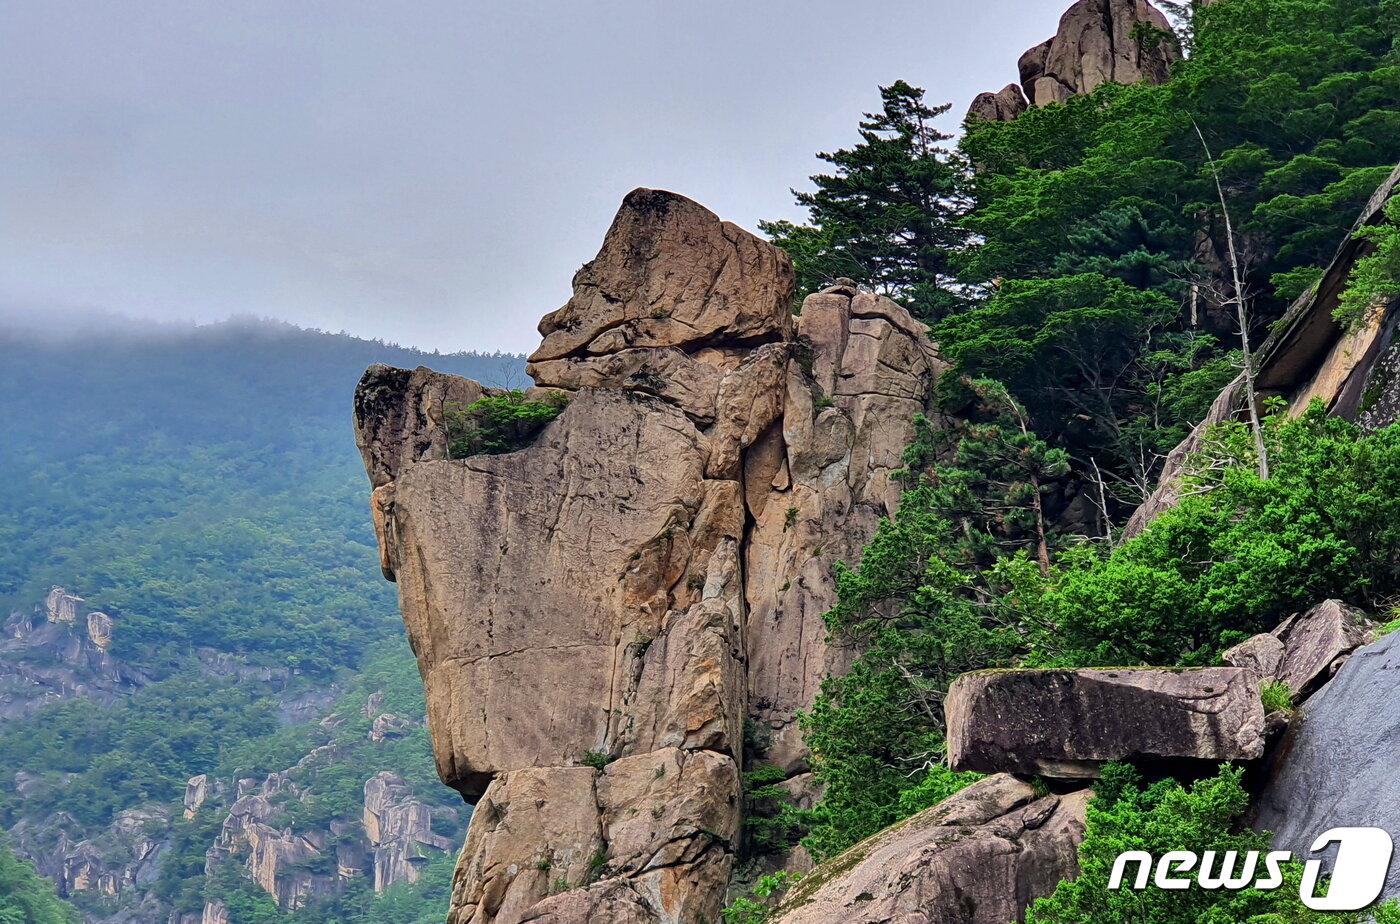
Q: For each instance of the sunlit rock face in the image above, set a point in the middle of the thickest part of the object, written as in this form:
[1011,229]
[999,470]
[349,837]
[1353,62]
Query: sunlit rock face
[599,615]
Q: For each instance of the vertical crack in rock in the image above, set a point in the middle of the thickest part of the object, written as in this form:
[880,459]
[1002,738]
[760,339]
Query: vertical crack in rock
[599,615]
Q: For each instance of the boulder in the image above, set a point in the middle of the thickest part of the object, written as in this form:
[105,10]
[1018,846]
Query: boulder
[1336,765]
[1004,106]
[1316,643]
[671,274]
[196,792]
[1098,41]
[1261,655]
[1066,724]
[979,857]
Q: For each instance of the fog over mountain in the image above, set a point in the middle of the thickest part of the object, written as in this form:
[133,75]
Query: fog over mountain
[430,175]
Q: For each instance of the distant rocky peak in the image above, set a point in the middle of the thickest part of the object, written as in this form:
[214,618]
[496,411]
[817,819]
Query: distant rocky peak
[1098,41]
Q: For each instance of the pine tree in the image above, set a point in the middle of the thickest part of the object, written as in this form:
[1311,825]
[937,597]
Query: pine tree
[888,215]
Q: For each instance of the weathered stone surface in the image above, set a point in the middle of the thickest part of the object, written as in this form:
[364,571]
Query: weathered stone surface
[671,274]
[1336,764]
[531,829]
[61,606]
[1315,642]
[1261,655]
[196,792]
[667,372]
[1004,106]
[979,857]
[1065,724]
[668,808]
[651,572]
[1094,45]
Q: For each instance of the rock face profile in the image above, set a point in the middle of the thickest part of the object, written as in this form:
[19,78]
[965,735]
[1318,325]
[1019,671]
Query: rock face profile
[599,616]
[1098,41]
[1336,764]
[979,857]
[1066,723]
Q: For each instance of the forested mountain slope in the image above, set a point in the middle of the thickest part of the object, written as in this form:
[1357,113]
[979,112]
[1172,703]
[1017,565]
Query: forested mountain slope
[195,491]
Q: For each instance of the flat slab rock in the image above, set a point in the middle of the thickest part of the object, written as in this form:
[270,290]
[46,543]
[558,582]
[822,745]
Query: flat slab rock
[1066,723]
[979,857]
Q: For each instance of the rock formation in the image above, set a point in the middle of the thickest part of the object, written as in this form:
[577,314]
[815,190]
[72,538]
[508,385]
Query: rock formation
[1306,650]
[979,857]
[1098,41]
[1066,723]
[1336,766]
[600,615]
[1310,356]
[400,830]
[297,865]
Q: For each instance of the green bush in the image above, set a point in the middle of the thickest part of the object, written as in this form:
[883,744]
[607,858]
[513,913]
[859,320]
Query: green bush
[1163,817]
[499,424]
[1239,554]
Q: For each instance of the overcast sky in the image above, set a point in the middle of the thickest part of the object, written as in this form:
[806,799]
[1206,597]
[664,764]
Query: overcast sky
[425,171]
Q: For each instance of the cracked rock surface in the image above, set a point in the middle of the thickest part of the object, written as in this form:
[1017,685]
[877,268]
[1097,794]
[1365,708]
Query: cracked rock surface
[599,616]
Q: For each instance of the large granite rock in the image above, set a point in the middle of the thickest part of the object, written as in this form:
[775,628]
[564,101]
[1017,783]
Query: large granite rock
[1097,42]
[1066,724]
[979,857]
[1336,764]
[648,577]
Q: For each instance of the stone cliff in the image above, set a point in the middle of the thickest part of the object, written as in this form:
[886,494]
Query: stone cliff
[616,621]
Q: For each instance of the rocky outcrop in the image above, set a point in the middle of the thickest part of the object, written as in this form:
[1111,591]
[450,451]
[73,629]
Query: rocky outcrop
[196,792]
[1066,724]
[648,577]
[297,864]
[1098,41]
[399,828]
[59,651]
[1336,765]
[118,860]
[1005,106]
[1310,356]
[1306,650]
[979,857]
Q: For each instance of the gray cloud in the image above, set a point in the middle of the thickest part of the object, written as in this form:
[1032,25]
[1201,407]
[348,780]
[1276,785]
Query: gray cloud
[429,172]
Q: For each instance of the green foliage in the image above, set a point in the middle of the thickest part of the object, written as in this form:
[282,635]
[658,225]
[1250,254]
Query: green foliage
[887,216]
[1163,817]
[202,487]
[25,898]
[500,424]
[1277,697]
[1089,215]
[595,759]
[943,588]
[1239,554]
[1375,280]
[757,906]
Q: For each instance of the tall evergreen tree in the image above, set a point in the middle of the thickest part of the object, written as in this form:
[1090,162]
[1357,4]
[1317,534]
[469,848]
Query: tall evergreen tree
[888,215]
